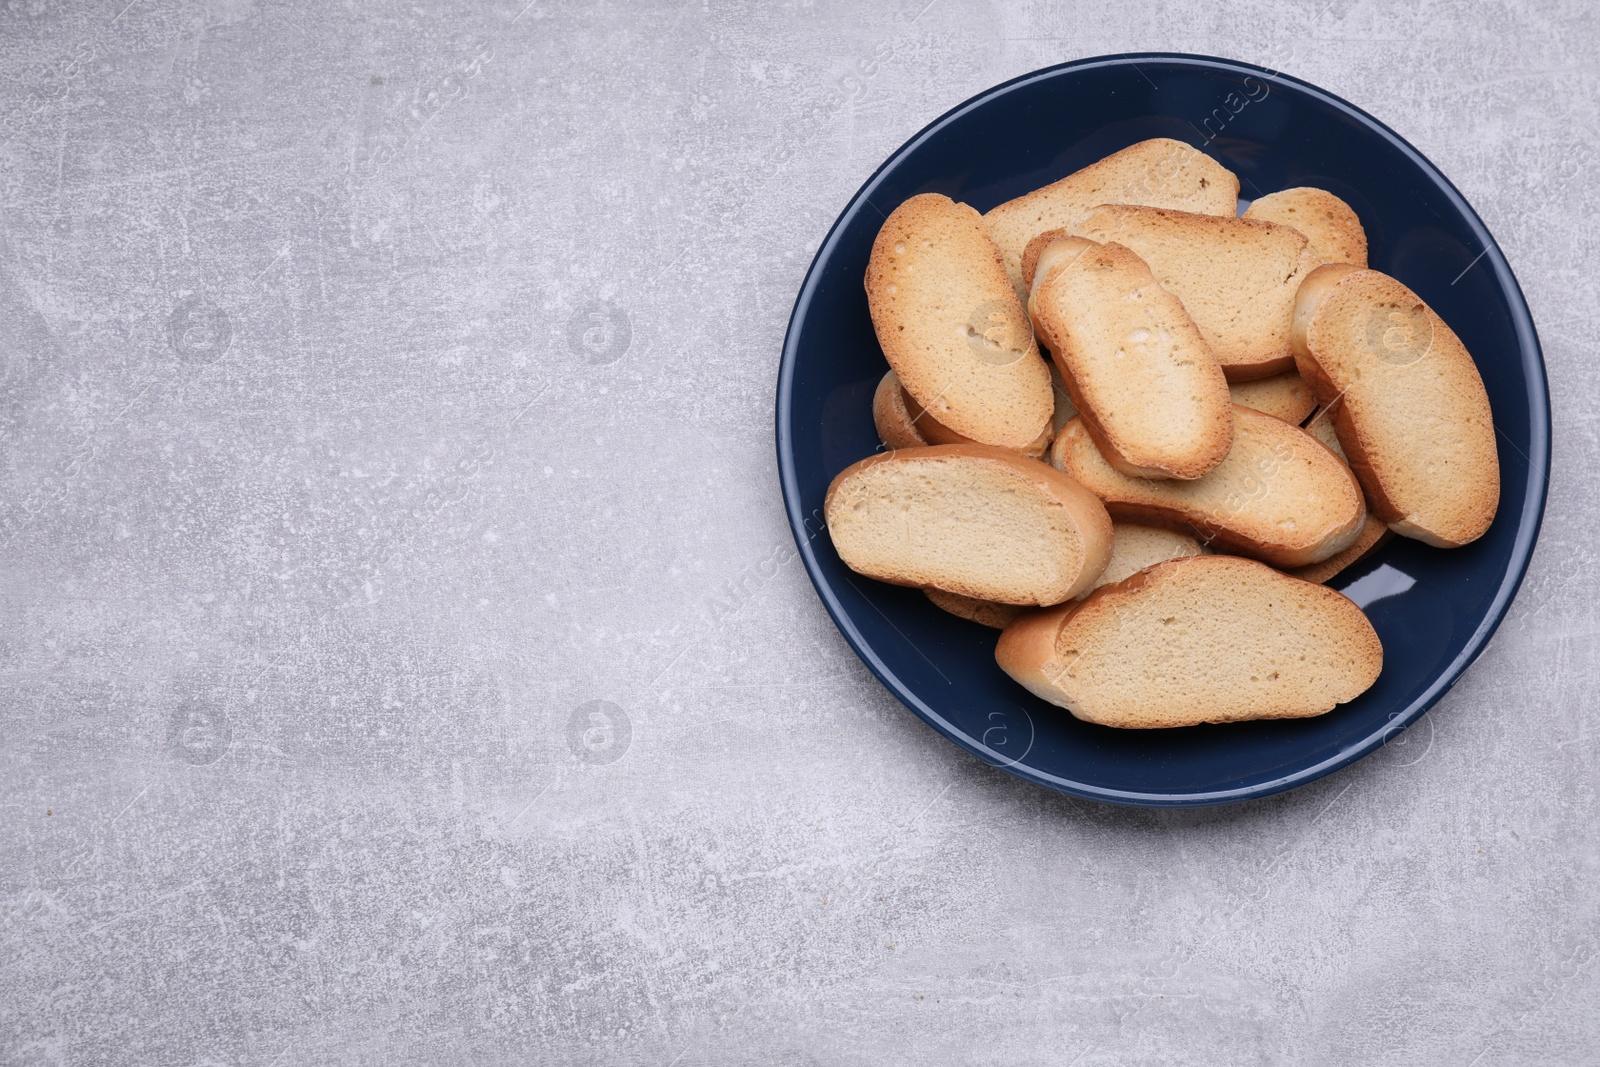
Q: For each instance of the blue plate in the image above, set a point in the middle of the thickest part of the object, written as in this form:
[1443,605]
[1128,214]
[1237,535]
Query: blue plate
[1434,609]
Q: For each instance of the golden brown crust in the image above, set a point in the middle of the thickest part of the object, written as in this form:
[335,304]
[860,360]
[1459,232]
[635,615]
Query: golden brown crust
[1030,255]
[1317,287]
[1083,510]
[1329,224]
[896,426]
[1236,277]
[935,432]
[1405,400]
[983,612]
[1160,172]
[1281,496]
[951,326]
[1373,535]
[1028,643]
[1060,654]
[1142,378]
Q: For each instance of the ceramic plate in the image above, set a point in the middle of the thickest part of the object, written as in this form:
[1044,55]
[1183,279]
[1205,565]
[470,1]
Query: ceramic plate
[1433,609]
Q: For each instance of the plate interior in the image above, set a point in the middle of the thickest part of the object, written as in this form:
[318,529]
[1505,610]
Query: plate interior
[1433,609]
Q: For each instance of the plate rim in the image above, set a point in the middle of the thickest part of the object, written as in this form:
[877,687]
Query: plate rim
[1529,522]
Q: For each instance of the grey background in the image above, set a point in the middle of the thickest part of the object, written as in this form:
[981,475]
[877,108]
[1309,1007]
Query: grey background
[385,383]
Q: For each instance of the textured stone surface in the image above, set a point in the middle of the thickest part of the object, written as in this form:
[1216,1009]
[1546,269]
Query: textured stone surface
[386,427]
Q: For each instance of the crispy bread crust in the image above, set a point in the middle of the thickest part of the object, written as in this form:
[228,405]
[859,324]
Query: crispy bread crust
[1085,511]
[935,432]
[1030,255]
[1468,499]
[1278,259]
[951,326]
[983,612]
[1160,172]
[1078,343]
[1224,511]
[1033,650]
[1330,225]
[896,426]
[1373,535]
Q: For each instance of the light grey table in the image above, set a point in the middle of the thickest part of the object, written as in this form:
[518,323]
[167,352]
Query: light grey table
[385,384]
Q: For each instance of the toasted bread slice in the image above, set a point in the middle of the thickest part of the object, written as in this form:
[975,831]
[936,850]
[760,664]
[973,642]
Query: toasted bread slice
[981,521]
[896,426]
[1373,534]
[1160,172]
[1283,396]
[1412,413]
[1142,378]
[982,612]
[951,325]
[1197,640]
[1133,548]
[1330,225]
[1237,277]
[1280,496]
[937,433]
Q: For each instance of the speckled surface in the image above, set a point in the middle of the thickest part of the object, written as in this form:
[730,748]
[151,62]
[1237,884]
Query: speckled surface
[403,658]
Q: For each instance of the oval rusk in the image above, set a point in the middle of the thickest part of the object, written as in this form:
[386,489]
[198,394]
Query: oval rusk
[1280,496]
[1196,640]
[1411,413]
[977,520]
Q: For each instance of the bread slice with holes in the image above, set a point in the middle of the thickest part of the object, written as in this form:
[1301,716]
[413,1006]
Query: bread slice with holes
[951,325]
[977,520]
[1412,413]
[1142,378]
[1330,225]
[1160,172]
[891,416]
[1280,496]
[1207,639]
[935,432]
[1283,396]
[1133,548]
[1236,277]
